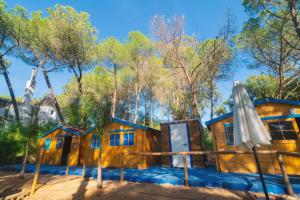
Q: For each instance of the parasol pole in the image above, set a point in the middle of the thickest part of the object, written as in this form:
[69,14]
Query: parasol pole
[260,173]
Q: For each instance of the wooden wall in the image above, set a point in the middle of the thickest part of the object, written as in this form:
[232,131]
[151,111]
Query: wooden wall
[196,141]
[144,141]
[52,155]
[245,163]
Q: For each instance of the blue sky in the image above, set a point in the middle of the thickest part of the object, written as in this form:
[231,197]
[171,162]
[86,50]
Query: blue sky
[118,17]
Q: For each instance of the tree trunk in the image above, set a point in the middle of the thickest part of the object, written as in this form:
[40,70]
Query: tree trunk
[24,160]
[99,176]
[129,107]
[113,112]
[136,102]
[11,91]
[293,12]
[78,77]
[211,101]
[58,109]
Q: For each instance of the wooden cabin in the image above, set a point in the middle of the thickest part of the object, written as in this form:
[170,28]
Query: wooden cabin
[282,120]
[119,137]
[179,136]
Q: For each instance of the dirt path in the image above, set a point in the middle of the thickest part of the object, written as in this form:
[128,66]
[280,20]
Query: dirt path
[54,187]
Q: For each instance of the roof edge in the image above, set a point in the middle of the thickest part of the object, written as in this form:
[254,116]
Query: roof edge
[256,103]
[62,128]
[127,123]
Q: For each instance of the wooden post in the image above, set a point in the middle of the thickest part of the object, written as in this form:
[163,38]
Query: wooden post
[83,165]
[99,174]
[68,165]
[186,173]
[260,174]
[121,168]
[37,171]
[285,175]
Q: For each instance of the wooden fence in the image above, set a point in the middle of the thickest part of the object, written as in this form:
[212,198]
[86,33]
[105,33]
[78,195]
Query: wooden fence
[184,154]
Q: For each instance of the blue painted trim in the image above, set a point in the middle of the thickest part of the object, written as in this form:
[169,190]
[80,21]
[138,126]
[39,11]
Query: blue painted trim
[62,128]
[189,142]
[170,145]
[227,125]
[280,117]
[88,131]
[218,118]
[120,121]
[124,122]
[124,130]
[257,103]
[273,100]
[48,132]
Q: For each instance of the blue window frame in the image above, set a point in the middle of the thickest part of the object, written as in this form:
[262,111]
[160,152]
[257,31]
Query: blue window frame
[59,142]
[114,140]
[128,139]
[47,143]
[95,144]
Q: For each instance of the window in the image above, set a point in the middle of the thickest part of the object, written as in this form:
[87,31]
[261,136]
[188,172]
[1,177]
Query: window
[229,134]
[95,144]
[128,139]
[283,130]
[47,143]
[59,142]
[115,140]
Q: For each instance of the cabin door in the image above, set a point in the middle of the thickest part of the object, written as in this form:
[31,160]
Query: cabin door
[179,142]
[66,150]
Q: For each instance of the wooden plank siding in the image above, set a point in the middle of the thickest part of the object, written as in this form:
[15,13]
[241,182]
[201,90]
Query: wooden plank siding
[145,140]
[246,163]
[53,155]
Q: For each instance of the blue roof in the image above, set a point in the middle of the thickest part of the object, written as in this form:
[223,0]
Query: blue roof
[256,103]
[127,123]
[62,128]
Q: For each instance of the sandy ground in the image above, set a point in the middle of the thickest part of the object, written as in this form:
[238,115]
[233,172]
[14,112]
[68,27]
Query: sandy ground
[54,187]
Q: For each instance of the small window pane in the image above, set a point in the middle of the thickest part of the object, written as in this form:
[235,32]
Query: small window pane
[229,135]
[126,142]
[283,130]
[290,135]
[277,135]
[128,139]
[274,126]
[131,136]
[59,142]
[95,144]
[131,142]
[114,140]
[47,143]
[126,136]
[117,142]
[286,125]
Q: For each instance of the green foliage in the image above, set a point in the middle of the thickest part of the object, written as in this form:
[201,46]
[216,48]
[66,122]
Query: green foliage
[208,140]
[10,142]
[97,86]
[99,113]
[262,86]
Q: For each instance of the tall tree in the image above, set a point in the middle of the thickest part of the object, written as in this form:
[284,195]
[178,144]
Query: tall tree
[287,10]
[189,58]
[141,50]
[267,45]
[11,33]
[113,55]
[36,51]
[73,40]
